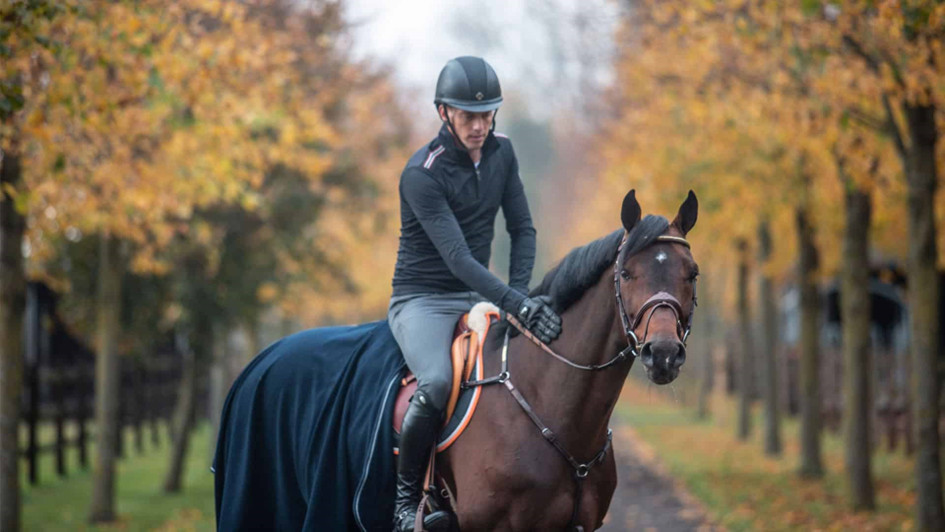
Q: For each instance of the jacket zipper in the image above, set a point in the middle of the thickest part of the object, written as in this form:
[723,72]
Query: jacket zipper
[478,183]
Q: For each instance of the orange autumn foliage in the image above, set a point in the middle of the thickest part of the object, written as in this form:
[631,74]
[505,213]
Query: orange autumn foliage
[760,106]
[151,112]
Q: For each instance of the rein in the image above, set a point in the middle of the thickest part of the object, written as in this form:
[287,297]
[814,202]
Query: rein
[658,300]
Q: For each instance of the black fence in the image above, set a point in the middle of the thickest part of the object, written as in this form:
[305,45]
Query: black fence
[59,388]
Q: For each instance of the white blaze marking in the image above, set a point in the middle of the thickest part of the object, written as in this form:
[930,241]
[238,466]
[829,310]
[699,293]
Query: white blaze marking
[660,257]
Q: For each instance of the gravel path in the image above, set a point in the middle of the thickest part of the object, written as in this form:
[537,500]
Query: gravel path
[647,498]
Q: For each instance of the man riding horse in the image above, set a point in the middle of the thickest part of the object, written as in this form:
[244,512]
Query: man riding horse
[450,192]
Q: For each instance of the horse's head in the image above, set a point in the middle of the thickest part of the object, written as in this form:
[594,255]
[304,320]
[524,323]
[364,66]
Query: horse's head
[655,281]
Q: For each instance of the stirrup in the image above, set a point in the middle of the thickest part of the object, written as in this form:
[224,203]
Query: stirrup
[438,521]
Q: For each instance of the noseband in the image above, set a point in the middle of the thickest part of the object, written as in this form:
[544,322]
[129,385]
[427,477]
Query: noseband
[656,301]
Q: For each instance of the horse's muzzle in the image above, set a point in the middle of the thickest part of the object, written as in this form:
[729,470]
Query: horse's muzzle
[662,359]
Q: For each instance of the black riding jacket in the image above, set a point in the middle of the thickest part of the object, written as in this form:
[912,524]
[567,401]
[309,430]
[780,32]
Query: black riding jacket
[447,211]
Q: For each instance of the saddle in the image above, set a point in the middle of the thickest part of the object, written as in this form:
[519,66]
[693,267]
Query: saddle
[466,354]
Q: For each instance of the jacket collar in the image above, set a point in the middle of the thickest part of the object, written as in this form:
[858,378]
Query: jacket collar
[455,152]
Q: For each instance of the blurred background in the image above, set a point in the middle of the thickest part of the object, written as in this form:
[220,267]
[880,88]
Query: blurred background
[183,182]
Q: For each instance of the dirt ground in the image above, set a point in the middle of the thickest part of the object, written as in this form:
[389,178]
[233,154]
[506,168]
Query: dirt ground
[647,498]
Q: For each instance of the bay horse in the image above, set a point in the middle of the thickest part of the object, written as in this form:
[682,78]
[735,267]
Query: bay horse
[537,454]
[640,298]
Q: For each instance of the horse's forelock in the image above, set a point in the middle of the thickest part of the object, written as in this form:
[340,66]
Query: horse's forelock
[642,235]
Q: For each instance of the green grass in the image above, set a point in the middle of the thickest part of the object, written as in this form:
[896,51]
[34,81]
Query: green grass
[743,489]
[62,504]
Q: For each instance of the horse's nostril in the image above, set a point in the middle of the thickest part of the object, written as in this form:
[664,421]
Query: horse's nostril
[646,355]
[680,357]
[666,355]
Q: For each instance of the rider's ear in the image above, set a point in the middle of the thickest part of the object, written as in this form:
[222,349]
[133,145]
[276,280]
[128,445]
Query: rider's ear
[688,212]
[630,212]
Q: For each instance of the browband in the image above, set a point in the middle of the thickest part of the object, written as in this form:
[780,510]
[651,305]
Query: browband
[673,239]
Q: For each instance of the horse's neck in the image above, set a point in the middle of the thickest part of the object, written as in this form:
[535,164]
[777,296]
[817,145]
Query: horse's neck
[575,403]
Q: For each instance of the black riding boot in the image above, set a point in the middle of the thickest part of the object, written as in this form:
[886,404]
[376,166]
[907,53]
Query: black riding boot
[417,437]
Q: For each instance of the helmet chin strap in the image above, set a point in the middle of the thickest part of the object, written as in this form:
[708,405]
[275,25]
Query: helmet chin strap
[449,124]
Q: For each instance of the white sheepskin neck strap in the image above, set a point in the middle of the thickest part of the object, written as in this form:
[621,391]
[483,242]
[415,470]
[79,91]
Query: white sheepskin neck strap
[478,320]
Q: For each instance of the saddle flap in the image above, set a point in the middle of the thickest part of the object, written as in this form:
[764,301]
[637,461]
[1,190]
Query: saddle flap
[466,357]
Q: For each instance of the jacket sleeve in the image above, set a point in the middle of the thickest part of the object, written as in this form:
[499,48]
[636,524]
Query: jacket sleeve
[518,222]
[428,202]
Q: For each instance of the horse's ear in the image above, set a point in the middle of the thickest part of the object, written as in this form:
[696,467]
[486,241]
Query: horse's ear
[688,212]
[630,212]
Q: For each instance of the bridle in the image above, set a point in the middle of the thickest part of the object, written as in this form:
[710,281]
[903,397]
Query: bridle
[649,307]
[657,301]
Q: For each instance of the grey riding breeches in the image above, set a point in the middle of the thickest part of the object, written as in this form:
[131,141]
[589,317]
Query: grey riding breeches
[423,327]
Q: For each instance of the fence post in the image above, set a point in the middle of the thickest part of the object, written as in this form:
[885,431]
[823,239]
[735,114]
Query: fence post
[139,405]
[122,407]
[32,378]
[56,372]
[153,397]
[56,390]
[32,419]
[83,440]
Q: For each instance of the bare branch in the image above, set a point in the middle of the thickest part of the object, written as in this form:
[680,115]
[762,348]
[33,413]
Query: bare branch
[871,121]
[892,127]
[858,49]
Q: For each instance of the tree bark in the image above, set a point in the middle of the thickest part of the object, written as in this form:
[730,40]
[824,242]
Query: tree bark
[183,421]
[770,342]
[226,341]
[251,330]
[107,380]
[745,372]
[857,368]
[923,309]
[184,413]
[12,307]
[811,464]
[707,382]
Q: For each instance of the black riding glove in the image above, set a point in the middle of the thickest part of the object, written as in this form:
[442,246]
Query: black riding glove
[538,317]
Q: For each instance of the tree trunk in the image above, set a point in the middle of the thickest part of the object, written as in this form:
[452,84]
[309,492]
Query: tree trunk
[770,342]
[183,422]
[107,380]
[707,381]
[226,341]
[196,362]
[251,329]
[857,368]
[811,464]
[12,307]
[745,372]
[923,309]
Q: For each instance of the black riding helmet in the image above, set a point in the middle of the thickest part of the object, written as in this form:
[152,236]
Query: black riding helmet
[470,84]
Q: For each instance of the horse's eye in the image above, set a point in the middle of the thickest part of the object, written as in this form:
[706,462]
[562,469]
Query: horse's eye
[626,275]
[692,278]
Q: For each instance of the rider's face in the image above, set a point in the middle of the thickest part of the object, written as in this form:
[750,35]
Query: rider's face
[471,128]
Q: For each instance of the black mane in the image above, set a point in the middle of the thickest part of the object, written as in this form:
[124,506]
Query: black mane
[582,267]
